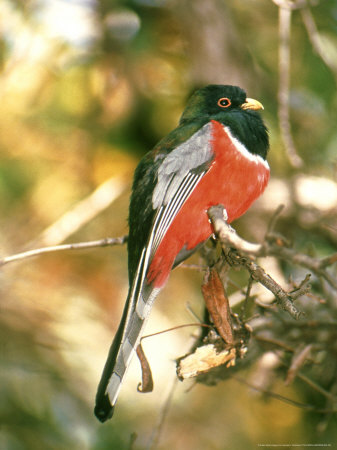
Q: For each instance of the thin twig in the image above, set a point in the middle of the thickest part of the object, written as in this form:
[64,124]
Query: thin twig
[297,362]
[284,82]
[282,398]
[302,289]
[247,296]
[177,327]
[316,386]
[276,342]
[283,298]
[57,248]
[274,218]
[157,430]
[313,264]
[328,261]
[315,39]
[133,438]
[313,384]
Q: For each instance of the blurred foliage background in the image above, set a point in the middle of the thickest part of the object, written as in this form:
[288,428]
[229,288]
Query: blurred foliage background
[87,87]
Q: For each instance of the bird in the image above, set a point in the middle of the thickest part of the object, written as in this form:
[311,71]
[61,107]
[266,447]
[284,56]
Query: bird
[216,155]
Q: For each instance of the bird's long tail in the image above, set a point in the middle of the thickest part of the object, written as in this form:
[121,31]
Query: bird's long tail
[136,311]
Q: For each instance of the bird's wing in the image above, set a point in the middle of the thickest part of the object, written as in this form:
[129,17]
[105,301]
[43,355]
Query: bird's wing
[179,173]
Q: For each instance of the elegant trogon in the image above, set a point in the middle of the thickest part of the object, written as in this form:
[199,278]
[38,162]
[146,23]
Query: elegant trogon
[216,155]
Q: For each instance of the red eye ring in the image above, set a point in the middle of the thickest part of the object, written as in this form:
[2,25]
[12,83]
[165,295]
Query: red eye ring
[224,102]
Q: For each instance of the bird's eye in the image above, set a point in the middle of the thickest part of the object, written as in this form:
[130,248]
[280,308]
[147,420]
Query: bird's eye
[224,102]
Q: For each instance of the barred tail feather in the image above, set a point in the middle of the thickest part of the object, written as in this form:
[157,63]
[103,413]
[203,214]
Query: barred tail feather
[104,408]
[136,312]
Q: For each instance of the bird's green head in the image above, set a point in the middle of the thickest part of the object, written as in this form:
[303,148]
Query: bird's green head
[216,100]
[230,106]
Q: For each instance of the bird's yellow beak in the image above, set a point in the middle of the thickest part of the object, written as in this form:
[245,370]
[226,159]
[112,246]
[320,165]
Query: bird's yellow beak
[250,103]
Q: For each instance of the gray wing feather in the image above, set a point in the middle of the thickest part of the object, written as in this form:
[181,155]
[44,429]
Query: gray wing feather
[177,164]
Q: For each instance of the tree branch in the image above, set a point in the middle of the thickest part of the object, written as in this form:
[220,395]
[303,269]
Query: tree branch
[57,248]
[228,238]
[285,12]
[227,235]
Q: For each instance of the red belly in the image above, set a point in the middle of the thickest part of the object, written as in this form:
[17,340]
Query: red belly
[232,180]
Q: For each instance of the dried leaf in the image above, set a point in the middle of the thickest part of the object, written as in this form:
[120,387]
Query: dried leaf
[218,306]
[147,381]
[297,362]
